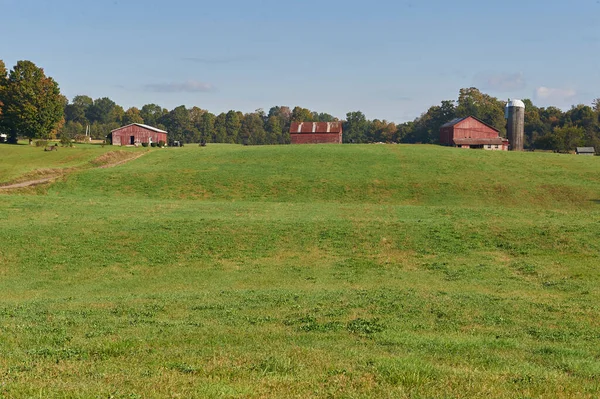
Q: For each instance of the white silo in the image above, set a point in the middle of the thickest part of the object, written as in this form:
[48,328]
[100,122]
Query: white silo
[515,113]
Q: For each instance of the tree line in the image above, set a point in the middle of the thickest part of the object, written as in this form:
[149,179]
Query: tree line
[32,106]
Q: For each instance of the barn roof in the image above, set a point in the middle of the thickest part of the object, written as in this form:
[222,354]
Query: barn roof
[586,150]
[316,127]
[154,129]
[469,141]
[456,121]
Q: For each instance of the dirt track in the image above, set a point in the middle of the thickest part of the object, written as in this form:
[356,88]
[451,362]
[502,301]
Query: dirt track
[30,183]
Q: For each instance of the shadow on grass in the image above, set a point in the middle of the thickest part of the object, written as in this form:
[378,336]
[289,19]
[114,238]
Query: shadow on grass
[596,201]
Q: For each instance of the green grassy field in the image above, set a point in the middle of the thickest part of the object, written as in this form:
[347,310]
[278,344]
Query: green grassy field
[302,271]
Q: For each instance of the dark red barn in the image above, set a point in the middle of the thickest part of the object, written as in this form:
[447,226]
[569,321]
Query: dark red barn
[316,132]
[470,132]
[136,134]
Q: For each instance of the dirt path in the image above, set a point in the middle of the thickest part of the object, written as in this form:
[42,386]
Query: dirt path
[36,182]
[28,183]
[112,165]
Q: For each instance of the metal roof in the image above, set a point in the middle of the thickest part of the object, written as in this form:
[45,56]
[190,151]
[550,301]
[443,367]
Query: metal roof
[453,122]
[516,103]
[493,141]
[456,121]
[154,129]
[316,127]
[586,150]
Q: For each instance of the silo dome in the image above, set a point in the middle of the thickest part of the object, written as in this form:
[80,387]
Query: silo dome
[516,103]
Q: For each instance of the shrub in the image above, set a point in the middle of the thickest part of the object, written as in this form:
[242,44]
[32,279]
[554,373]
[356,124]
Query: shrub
[145,144]
[65,141]
[81,138]
[153,145]
[41,143]
[161,143]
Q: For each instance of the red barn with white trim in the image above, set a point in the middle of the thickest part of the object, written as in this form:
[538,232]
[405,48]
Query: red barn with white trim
[137,133]
[471,132]
[316,132]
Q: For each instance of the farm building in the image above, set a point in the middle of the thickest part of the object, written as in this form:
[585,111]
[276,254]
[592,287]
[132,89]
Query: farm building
[136,133]
[586,151]
[316,132]
[470,132]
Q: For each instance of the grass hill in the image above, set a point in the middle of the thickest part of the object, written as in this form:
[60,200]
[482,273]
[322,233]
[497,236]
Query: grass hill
[302,271]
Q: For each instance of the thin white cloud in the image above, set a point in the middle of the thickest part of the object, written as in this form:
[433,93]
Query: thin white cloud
[555,95]
[500,81]
[191,86]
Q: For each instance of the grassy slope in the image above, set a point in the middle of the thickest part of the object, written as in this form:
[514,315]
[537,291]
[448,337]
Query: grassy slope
[342,271]
[23,162]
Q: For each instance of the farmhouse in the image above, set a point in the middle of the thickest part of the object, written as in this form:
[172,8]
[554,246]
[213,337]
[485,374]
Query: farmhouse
[316,132]
[137,133]
[470,132]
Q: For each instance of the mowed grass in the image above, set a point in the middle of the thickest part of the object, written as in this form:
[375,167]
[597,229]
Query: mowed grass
[305,271]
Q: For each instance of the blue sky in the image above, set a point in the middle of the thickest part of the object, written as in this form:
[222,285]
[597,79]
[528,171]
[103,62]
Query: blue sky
[389,59]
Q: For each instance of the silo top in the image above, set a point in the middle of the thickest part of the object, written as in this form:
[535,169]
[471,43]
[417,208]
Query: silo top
[516,103]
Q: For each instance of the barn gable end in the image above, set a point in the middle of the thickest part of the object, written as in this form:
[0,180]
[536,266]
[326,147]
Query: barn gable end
[137,133]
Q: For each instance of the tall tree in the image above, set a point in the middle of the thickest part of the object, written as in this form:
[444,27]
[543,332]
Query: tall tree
[75,112]
[33,106]
[274,130]
[252,130]
[104,110]
[300,114]
[472,102]
[3,82]
[355,128]
[220,128]
[179,125]
[152,113]
[132,115]
[207,127]
[232,125]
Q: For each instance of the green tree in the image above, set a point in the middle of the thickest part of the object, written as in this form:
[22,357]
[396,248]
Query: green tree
[426,128]
[179,125]
[33,106]
[207,127]
[252,130]
[151,113]
[323,117]
[232,125]
[104,110]
[568,137]
[472,102]
[3,82]
[300,114]
[132,115]
[76,110]
[220,129]
[355,128]
[274,130]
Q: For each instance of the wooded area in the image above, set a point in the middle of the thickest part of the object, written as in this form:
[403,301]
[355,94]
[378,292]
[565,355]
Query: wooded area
[31,106]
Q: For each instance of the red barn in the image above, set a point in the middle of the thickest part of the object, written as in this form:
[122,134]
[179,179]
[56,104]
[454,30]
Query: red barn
[136,133]
[470,132]
[316,132]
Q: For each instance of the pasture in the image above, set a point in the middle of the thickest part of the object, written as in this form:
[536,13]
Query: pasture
[384,271]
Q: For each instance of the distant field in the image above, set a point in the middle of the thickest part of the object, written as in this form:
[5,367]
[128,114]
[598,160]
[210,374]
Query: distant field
[302,271]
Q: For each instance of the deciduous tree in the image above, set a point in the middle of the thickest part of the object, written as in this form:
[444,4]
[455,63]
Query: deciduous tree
[33,106]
